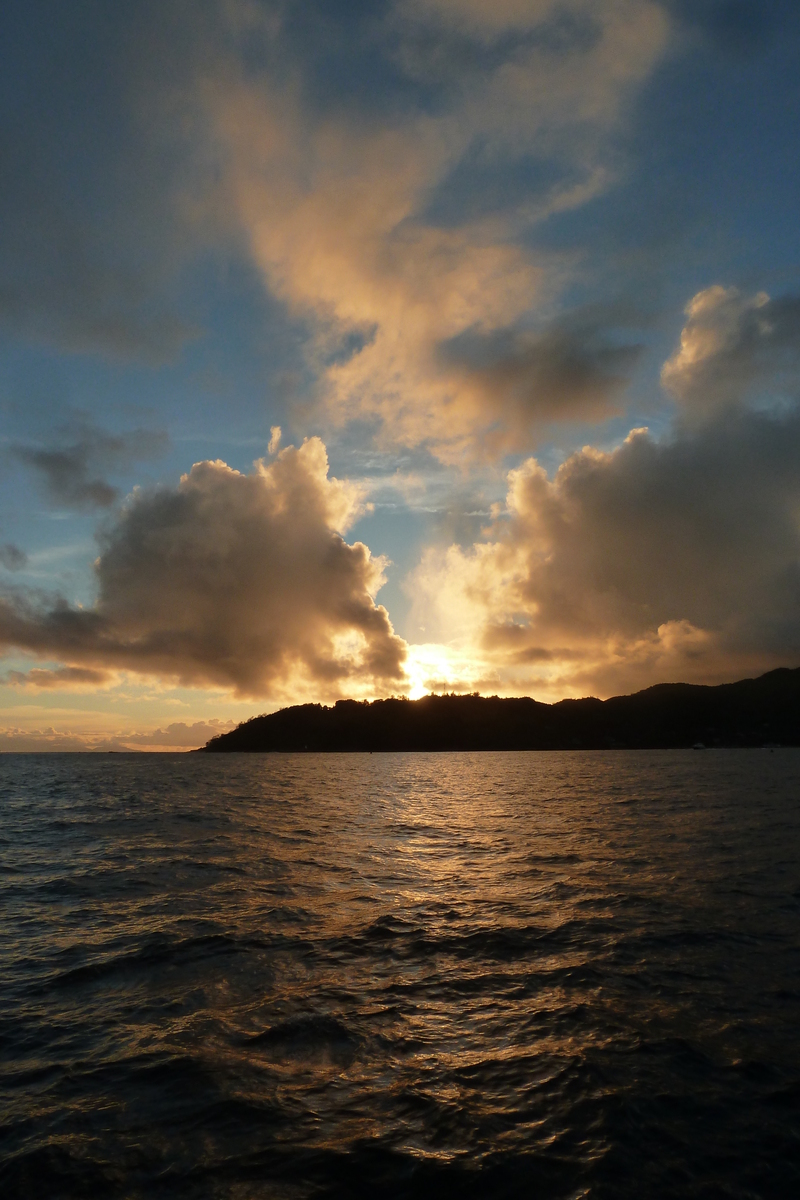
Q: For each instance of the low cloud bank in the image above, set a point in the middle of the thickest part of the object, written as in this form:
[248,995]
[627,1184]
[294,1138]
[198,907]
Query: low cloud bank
[236,581]
[177,736]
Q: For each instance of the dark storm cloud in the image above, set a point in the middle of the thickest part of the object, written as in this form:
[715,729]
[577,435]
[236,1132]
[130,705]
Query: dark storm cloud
[229,580]
[73,469]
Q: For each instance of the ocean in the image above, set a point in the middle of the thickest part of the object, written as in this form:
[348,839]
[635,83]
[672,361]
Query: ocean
[403,975]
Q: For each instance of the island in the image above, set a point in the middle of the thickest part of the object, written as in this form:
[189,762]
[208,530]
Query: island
[752,712]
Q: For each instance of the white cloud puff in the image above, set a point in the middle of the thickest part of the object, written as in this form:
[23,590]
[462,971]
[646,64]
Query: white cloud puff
[237,581]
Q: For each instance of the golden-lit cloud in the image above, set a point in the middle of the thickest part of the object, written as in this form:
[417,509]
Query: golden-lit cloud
[237,581]
[735,349]
[70,678]
[662,559]
[341,215]
[668,558]
[433,233]
[177,736]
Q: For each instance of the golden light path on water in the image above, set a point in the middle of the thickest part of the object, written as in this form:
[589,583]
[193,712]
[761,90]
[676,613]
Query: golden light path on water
[304,975]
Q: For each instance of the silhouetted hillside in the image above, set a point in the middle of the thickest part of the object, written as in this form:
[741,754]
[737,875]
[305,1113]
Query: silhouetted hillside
[752,712]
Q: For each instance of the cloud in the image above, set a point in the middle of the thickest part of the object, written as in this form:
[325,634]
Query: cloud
[236,581]
[488,21]
[35,741]
[333,137]
[71,472]
[178,736]
[669,559]
[12,558]
[178,733]
[735,26]
[735,349]
[340,209]
[524,381]
[666,558]
[68,678]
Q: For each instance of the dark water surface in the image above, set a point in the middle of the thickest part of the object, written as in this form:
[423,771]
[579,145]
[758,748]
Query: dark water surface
[538,975]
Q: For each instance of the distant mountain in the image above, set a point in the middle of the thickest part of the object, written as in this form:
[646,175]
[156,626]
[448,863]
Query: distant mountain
[753,712]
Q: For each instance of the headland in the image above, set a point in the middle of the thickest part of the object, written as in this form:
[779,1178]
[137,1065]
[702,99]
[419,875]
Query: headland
[752,712]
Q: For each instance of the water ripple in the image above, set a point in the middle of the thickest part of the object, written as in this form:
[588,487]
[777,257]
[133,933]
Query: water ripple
[496,975]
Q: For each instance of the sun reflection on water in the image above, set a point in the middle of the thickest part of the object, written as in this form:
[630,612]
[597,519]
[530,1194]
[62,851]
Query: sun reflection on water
[451,959]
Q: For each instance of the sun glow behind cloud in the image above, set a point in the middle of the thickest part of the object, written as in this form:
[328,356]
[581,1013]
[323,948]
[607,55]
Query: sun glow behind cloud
[416,235]
[437,668]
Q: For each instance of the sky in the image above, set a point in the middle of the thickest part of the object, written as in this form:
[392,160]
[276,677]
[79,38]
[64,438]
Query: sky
[354,349]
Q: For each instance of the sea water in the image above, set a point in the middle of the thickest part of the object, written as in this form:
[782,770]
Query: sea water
[521,974]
